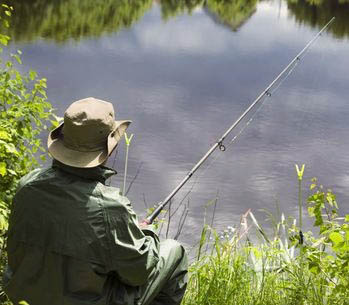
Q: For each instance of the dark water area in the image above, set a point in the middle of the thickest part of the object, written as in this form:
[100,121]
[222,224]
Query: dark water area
[184,71]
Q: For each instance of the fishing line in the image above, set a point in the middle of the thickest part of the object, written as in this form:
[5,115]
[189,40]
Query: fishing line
[199,176]
[308,112]
[219,144]
[219,155]
[223,147]
[262,104]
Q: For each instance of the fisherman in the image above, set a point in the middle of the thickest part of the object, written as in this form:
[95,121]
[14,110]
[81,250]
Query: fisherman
[73,240]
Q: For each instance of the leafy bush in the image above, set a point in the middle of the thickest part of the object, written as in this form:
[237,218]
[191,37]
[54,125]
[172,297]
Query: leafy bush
[25,112]
[328,254]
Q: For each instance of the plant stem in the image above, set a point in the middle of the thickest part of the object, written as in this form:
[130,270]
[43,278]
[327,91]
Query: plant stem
[300,204]
[125,174]
[128,142]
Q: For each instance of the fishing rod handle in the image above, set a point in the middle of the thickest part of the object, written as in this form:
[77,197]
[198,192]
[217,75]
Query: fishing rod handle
[150,219]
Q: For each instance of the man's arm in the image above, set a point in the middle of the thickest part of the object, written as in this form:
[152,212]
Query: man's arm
[133,254]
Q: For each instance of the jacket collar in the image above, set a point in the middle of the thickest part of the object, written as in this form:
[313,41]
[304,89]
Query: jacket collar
[100,173]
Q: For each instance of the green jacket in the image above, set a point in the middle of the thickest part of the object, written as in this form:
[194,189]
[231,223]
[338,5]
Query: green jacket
[73,240]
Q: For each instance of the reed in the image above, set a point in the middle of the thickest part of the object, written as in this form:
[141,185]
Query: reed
[279,269]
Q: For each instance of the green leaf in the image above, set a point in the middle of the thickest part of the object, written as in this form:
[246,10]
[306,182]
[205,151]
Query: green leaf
[300,171]
[336,238]
[311,211]
[5,136]
[10,148]
[347,218]
[32,74]
[330,198]
[18,59]
[3,169]
[12,172]
[3,223]
[4,39]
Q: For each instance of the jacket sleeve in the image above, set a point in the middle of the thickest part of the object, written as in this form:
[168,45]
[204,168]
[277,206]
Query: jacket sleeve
[133,255]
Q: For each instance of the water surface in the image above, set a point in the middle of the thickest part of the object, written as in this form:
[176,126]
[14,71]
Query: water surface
[184,71]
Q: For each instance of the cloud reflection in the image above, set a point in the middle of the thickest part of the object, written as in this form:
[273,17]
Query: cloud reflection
[185,81]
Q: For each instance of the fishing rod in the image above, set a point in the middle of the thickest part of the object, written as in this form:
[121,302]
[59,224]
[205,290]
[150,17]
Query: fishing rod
[219,144]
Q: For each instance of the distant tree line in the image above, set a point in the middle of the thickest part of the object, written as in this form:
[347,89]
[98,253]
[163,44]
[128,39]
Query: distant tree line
[317,13]
[62,20]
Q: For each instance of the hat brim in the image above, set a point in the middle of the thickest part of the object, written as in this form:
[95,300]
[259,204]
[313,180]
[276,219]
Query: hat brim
[84,159]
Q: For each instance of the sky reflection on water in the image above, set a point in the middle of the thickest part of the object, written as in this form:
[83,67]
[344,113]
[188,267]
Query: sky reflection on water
[184,81]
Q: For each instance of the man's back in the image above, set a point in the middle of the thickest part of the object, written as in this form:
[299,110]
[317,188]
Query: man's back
[73,240]
[64,231]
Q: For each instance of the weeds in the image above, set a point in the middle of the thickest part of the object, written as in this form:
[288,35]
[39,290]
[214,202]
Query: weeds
[236,271]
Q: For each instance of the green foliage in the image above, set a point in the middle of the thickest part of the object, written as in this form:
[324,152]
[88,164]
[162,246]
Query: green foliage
[24,113]
[232,13]
[238,272]
[172,8]
[317,13]
[235,274]
[333,236]
[6,12]
[62,20]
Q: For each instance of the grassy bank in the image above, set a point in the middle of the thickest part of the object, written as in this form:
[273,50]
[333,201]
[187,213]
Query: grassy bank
[287,268]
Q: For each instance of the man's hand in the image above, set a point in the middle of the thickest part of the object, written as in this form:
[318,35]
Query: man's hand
[144,224]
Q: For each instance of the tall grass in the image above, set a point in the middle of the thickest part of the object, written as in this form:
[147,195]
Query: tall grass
[245,274]
[284,269]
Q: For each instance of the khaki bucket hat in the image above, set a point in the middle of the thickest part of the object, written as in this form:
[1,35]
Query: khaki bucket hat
[88,134]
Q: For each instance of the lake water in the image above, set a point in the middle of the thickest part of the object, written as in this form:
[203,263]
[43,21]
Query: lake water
[184,71]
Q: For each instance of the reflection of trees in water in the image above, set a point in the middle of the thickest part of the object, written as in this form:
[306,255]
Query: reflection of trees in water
[61,20]
[172,8]
[232,13]
[318,12]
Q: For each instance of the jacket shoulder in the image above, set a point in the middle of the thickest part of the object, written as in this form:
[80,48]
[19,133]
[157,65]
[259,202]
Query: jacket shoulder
[111,195]
[31,176]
